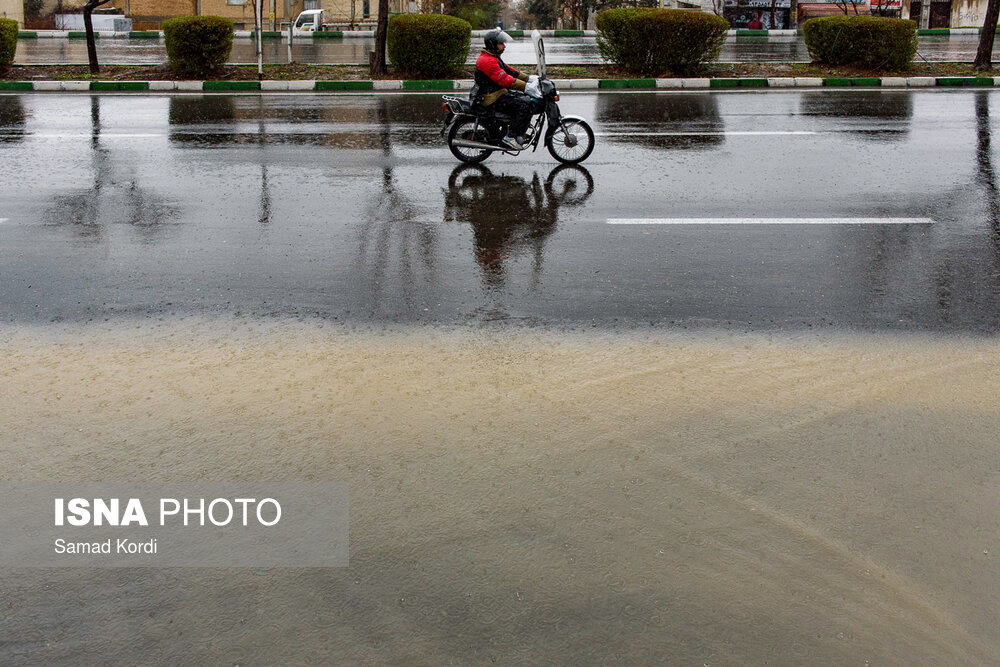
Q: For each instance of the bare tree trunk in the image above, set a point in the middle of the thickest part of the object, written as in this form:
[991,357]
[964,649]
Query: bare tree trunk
[984,56]
[88,25]
[378,65]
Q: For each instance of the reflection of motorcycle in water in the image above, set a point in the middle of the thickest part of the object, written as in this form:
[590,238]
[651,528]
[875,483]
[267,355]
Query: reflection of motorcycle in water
[508,213]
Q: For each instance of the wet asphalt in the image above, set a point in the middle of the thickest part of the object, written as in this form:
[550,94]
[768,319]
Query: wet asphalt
[564,50]
[350,208]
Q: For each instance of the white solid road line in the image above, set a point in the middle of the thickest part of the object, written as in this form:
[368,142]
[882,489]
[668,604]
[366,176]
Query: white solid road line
[770,221]
[750,133]
[82,135]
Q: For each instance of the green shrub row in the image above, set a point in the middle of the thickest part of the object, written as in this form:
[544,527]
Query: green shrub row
[872,42]
[198,45]
[8,42]
[650,42]
[428,45]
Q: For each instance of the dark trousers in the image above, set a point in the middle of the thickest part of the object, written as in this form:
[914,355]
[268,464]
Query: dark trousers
[518,107]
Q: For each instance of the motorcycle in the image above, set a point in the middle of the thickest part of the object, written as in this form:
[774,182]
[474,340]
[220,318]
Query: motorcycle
[474,132]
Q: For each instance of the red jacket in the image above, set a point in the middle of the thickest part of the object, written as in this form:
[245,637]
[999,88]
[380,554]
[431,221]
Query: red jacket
[497,70]
[494,77]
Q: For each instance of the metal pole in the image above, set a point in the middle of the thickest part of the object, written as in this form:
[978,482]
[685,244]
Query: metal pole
[291,33]
[259,18]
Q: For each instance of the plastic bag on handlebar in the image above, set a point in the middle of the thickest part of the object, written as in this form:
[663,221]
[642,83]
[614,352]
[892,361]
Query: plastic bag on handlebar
[532,87]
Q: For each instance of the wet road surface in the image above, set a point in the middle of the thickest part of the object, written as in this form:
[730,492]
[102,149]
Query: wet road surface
[563,50]
[351,207]
[777,445]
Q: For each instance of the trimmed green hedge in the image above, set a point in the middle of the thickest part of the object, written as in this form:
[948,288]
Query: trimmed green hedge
[8,43]
[650,42]
[198,45]
[478,17]
[873,42]
[428,46]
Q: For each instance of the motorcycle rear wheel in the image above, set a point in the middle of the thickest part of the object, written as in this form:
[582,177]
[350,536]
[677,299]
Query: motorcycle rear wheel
[572,142]
[465,128]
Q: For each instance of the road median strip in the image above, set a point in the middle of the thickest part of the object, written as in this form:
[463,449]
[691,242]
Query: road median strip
[385,85]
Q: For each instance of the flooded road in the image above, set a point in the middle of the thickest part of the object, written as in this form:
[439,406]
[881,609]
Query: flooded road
[567,442]
[529,497]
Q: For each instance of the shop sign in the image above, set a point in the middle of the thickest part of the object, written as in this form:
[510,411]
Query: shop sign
[765,4]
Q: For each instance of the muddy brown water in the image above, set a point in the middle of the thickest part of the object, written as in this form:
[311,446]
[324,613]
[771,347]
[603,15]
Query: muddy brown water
[528,496]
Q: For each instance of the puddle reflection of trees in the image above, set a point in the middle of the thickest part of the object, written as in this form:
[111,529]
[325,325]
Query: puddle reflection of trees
[116,196]
[12,119]
[206,121]
[947,275]
[389,220]
[986,175]
[873,115]
[643,114]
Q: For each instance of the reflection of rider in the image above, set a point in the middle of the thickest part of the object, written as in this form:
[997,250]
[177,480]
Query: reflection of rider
[498,83]
[476,196]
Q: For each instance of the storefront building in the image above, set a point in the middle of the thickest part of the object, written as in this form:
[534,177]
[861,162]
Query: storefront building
[946,14]
[758,14]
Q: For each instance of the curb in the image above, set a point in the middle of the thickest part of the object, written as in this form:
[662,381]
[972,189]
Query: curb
[465,84]
[739,35]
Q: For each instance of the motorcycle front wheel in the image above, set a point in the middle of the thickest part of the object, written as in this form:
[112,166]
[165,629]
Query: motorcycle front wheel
[571,142]
[465,128]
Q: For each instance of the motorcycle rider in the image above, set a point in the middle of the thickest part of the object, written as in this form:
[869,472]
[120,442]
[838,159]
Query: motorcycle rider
[502,86]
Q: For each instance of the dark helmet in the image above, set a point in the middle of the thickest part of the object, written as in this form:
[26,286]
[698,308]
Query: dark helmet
[495,37]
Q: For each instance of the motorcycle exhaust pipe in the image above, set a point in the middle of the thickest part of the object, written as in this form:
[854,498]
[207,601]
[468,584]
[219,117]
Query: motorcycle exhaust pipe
[465,143]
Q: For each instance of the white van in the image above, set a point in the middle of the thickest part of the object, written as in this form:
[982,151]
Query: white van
[310,21]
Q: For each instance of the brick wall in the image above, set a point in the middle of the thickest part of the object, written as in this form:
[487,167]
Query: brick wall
[165,8]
